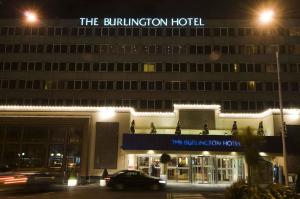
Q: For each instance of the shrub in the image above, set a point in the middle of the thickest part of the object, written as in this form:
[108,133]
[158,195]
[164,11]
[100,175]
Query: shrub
[237,190]
[241,190]
[280,191]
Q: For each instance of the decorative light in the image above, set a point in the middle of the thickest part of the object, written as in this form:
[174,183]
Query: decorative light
[295,112]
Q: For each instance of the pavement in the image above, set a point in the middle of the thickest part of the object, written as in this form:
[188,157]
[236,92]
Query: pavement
[94,191]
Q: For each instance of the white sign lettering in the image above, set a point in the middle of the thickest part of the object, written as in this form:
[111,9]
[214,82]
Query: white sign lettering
[142,22]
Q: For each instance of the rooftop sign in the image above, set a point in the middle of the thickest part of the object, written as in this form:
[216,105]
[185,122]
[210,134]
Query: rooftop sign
[142,22]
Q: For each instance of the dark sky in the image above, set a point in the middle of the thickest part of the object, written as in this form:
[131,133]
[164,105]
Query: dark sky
[167,8]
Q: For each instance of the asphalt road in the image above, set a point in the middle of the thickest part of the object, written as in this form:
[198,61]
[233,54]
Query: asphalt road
[95,192]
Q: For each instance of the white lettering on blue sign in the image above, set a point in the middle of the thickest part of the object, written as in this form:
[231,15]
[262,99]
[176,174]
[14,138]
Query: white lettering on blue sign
[224,143]
[142,22]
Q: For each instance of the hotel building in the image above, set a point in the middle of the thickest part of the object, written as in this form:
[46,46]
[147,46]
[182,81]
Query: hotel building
[66,88]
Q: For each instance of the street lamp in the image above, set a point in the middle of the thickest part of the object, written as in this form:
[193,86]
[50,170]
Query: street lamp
[31,17]
[266,17]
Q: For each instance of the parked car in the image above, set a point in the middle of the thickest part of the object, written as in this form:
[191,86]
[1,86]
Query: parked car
[134,179]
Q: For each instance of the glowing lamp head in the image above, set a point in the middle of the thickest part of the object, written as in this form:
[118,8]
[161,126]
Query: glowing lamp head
[266,16]
[30,17]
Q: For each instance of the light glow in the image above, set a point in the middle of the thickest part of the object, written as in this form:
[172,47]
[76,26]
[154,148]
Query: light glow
[107,113]
[205,153]
[130,161]
[72,182]
[30,16]
[263,154]
[150,152]
[14,180]
[266,16]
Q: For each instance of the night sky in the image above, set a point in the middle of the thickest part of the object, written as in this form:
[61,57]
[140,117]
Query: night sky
[138,8]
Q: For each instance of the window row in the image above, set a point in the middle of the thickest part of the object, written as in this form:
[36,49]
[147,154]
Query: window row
[151,104]
[146,67]
[133,49]
[148,85]
[135,32]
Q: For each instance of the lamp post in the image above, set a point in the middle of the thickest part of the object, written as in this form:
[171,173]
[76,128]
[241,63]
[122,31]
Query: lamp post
[266,18]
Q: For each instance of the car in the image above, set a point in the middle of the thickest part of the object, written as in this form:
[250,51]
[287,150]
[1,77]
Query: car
[15,180]
[126,179]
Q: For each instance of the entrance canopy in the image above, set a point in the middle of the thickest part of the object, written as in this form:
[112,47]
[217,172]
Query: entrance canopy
[270,144]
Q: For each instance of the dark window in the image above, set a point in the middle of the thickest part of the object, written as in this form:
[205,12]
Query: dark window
[243,68]
[243,86]
[294,86]
[225,68]
[158,85]
[207,67]
[193,85]
[269,86]
[208,86]
[143,85]
[259,86]
[218,86]
[258,68]
[233,86]
[217,67]
[200,86]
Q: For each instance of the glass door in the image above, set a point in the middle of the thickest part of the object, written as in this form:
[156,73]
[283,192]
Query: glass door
[183,169]
[225,169]
[202,168]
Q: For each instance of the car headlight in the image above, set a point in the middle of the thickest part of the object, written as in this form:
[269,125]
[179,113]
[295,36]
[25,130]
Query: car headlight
[162,181]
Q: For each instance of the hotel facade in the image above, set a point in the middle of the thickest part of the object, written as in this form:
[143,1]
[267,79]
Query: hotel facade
[70,89]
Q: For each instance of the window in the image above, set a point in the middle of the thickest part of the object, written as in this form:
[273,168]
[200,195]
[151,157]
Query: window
[149,68]
[217,67]
[269,86]
[243,86]
[207,67]
[294,86]
[218,86]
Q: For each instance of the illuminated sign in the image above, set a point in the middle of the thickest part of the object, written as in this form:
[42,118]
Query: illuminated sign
[194,142]
[142,22]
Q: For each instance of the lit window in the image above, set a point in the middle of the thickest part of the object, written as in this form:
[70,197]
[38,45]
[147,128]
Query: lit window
[149,67]
[251,85]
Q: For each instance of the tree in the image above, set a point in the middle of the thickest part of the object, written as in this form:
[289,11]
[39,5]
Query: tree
[234,130]
[250,144]
[153,129]
[132,127]
[178,128]
[205,130]
[165,159]
[260,130]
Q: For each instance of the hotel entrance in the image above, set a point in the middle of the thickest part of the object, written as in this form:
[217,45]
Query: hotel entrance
[198,169]
[202,169]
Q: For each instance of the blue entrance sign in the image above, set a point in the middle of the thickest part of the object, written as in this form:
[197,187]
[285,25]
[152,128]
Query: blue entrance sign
[194,142]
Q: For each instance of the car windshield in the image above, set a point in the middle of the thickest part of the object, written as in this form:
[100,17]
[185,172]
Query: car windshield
[118,173]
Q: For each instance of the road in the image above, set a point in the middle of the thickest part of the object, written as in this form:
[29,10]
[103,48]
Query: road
[95,192]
